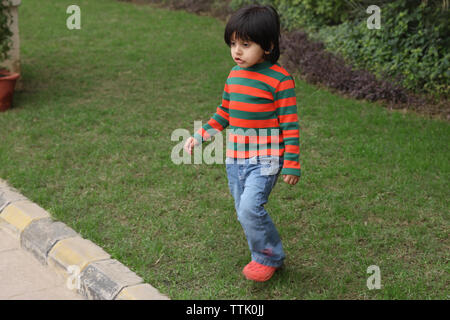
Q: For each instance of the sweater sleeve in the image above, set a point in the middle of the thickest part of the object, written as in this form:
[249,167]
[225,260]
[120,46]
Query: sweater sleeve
[218,122]
[286,106]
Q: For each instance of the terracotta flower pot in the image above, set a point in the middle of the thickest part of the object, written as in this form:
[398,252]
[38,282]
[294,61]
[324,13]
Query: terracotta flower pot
[7,84]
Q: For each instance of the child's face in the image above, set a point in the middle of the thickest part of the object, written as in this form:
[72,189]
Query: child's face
[246,53]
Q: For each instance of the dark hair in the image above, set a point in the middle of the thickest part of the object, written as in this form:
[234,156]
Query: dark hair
[257,23]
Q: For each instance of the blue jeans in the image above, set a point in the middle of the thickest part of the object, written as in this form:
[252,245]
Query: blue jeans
[251,181]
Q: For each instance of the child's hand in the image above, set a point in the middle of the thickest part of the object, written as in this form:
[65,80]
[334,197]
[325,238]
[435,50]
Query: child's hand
[290,179]
[189,144]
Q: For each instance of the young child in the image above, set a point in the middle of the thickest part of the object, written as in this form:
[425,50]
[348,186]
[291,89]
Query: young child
[259,107]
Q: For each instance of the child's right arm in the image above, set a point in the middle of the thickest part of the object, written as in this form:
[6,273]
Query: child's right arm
[218,122]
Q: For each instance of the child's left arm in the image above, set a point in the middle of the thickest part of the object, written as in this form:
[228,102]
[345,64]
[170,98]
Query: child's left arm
[291,179]
[286,104]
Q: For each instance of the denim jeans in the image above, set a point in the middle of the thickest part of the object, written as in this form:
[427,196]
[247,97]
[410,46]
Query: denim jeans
[250,182]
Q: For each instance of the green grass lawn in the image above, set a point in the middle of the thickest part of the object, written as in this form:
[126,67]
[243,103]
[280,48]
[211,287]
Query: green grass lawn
[89,141]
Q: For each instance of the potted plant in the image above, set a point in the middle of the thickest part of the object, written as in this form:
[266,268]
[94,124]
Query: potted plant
[7,85]
[7,78]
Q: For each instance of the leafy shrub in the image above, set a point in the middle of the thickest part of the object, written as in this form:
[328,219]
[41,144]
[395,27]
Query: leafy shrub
[313,14]
[5,32]
[412,44]
[317,65]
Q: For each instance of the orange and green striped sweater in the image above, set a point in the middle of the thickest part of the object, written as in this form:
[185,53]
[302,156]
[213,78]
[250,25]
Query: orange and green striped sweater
[259,106]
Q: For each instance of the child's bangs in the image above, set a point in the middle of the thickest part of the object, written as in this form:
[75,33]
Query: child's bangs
[241,30]
[240,35]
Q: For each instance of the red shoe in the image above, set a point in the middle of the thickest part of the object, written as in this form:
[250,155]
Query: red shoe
[258,272]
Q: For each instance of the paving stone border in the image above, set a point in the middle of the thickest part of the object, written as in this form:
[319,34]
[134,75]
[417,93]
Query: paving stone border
[94,274]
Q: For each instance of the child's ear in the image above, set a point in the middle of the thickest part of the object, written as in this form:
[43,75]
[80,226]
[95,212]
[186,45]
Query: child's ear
[271,48]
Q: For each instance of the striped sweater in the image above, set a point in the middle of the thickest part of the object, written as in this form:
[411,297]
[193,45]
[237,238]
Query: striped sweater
[259,107]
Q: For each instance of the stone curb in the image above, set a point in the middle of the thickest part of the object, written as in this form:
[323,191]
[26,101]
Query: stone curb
[88,269]
[42,235]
